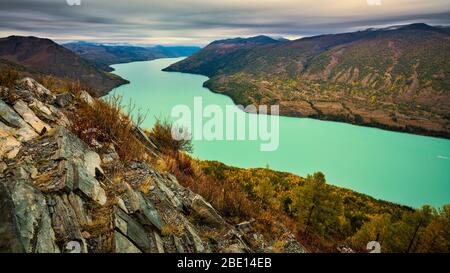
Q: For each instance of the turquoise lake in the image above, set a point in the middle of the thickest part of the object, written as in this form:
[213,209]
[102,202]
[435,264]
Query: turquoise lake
[403,168]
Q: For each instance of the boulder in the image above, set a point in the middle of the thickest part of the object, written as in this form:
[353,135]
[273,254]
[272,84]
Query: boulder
[86,97]
[31,219]
[169,195]
[23,131]
[206,212]
[87,184]
[69,145]
[123,245]
[132,230]
[64,99]
[38,90]
[65,221]
[198,244]
[92,163]
[42,110]
[147,214]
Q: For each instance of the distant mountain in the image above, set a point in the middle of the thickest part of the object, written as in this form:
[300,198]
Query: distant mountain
[396,78]
[104,55]
[43,56]
[223,56]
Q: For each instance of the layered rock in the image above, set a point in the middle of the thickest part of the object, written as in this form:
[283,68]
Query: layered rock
[57,194]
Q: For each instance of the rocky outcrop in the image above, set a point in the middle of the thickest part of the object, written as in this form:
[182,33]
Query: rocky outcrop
[57,194]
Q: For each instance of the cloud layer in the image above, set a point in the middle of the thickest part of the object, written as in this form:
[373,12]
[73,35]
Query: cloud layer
[201,21]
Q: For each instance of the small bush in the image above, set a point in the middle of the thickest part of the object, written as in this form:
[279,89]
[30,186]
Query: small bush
[106,122]
[161,135]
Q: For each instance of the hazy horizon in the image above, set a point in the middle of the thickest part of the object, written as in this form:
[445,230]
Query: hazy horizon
[198,22]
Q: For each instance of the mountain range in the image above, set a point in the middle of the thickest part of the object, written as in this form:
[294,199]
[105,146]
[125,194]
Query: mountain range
[36,56]
[105,55]
[394,78]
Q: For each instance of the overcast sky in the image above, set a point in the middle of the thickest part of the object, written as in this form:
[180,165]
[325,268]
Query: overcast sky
[198,22]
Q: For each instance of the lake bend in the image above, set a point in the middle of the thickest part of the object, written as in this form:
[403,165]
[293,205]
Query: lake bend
[398,167]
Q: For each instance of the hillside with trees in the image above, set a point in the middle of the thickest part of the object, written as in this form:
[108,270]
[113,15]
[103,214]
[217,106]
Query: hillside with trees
[394,78]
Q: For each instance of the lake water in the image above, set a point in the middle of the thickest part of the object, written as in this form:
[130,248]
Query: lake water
[402,168]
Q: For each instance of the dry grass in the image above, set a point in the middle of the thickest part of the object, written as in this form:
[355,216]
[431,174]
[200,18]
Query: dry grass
[228,198]
[173,229]
[145,186]
[8,77]
[106,122]
[63,85]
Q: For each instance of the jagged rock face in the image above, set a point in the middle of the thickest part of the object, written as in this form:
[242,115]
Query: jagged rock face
[58,195]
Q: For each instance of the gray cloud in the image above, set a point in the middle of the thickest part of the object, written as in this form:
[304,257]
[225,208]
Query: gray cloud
[201,21]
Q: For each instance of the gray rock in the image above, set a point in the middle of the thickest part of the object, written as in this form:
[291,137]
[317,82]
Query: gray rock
[121,205]
[178,244]
[23,131]
[9,145]
[10,236]
[198,244]
[147,214]
[65,221]
[87,184]
[80,165]
[123,245]
[10,116]
[92,163]
[86,97]
[170,196]
[28,115]
[206,212]
[64,99]
[36,88]
[42,110]
[69,145]
[78,207]
[234,248]
[159,243]
[131,199]
[31,218]
[132,230]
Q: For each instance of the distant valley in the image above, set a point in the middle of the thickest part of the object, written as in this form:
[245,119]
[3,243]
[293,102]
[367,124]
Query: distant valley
[43,57]
[80,62]
[105,55]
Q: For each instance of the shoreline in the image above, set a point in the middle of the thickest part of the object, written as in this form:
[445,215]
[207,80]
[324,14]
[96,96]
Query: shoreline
[296,117]
[413,130]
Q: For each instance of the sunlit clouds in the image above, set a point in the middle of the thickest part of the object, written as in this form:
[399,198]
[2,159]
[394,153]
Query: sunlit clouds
[200,21]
